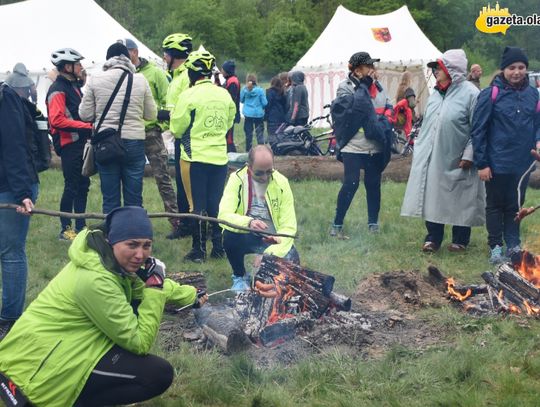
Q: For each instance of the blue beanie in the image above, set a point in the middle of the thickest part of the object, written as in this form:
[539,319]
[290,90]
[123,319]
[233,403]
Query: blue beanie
[229,67]
[128,222]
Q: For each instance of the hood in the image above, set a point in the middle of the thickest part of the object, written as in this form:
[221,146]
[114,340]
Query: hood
[19,78]
[297,78]
[455,62]
[142,64]
[121,62]
[91,250]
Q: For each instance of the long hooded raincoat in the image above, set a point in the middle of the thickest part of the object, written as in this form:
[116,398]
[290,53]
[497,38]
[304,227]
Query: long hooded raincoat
[438,190]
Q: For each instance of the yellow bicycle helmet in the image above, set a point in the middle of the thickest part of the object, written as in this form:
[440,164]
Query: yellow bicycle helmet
[178,41]
[201,61]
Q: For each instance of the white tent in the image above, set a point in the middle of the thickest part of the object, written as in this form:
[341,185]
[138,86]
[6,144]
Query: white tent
[31,30]
[395,38]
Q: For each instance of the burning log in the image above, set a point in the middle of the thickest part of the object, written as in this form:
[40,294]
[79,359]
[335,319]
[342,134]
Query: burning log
[508,277]
[221,326]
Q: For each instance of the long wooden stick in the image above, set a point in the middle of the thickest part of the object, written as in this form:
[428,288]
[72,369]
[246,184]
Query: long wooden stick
[94,215]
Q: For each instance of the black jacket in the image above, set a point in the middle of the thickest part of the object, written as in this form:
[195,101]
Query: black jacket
[17,169]
[275,110]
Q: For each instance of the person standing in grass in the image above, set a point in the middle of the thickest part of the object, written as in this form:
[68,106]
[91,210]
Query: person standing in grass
[19,184]
[254,99]
[443,186]
[200,120]
[85,340]
[276,109]
[505,128]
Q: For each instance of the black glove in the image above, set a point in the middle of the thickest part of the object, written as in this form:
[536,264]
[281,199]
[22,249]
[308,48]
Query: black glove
[367,80]
[163,115]
[200,294]
[153,272]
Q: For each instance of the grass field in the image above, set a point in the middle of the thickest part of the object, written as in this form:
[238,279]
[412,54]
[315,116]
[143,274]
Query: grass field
[488,361]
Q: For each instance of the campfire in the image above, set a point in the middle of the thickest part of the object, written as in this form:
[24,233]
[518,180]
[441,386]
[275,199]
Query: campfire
[514,287]
[285,299]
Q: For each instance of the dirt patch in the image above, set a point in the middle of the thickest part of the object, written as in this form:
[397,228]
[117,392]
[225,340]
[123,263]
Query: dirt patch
[385,313]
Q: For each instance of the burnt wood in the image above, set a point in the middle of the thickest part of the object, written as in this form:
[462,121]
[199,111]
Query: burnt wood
[512,279]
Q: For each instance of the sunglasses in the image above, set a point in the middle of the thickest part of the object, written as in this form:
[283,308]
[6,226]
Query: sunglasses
[260,173]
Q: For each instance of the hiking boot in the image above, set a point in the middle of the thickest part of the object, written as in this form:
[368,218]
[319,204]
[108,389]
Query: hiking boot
[196,256]
[67,234]
[239,284]
[373,227]
[456,247]
[430,247]
[496,255]
[217,242]
[5,326]
[179,231]
[337,231]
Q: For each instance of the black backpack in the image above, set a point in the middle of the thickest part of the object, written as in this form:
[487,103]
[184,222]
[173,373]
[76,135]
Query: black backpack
[37,135]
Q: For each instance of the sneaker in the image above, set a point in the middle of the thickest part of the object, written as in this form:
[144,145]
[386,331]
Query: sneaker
[196,256]
[456,248]
[5,326]
[179,232]
[496,255]
[373,227]
[337,231]
[430,247]
[67,234]
[239,284]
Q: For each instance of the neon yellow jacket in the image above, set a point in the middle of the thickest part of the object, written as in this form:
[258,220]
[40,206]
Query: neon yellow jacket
[51,350]
[201,119]
[179,83]
[159,85]
[234,207]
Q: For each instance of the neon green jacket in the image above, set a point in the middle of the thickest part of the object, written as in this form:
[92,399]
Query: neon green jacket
[234,207]
[159,84]
[84,310]
[201,119]
[179,83]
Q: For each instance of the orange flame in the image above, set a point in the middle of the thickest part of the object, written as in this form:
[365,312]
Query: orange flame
[529,268]
[450,284]
[284,293]
[514,309]
[531,310]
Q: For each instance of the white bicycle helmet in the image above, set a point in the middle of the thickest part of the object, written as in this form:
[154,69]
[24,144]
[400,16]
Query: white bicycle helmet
[65,55]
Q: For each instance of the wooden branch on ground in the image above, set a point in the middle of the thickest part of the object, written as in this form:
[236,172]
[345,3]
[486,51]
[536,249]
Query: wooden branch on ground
[93,215]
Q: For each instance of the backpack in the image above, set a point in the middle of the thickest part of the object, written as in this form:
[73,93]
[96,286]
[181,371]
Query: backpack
[495,93]
[36,131]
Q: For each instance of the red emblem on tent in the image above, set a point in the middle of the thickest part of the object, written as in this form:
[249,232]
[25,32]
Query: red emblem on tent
[381,34]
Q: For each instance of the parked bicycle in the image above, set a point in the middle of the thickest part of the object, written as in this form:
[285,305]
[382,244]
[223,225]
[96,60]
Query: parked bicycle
[299,140]
[404,145]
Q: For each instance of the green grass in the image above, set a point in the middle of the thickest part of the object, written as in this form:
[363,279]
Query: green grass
[488,361]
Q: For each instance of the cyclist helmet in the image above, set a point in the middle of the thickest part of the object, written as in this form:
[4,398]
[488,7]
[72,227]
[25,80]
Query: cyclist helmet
[178,41]
[65,55]
[201,62]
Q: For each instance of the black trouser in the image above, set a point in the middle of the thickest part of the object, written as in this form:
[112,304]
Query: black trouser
[237,245]
[204,184]
[300,122]
[460,234]
[231,148]
[181,197]
[251,123]
[121,377]
[501,208]
[373,167]
[76,186]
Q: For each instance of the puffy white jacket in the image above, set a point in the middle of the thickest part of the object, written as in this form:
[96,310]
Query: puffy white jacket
[99,89]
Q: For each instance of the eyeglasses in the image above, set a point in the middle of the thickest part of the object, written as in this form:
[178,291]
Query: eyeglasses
[260,173]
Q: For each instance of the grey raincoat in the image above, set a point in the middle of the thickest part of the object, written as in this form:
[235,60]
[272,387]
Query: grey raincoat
[438,190]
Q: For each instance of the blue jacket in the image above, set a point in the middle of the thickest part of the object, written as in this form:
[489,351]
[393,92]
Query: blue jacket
[17,168]
[505,130]
[254,101]
[276,108]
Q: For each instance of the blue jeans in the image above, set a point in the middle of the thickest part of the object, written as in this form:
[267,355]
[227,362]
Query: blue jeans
[123,178]
[13,231]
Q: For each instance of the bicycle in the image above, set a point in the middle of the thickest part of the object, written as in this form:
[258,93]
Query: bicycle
[404,145]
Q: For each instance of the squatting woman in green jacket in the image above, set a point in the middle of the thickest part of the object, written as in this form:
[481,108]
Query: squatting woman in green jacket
[85,339]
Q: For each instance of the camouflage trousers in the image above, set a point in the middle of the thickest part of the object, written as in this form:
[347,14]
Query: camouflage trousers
[155,151]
